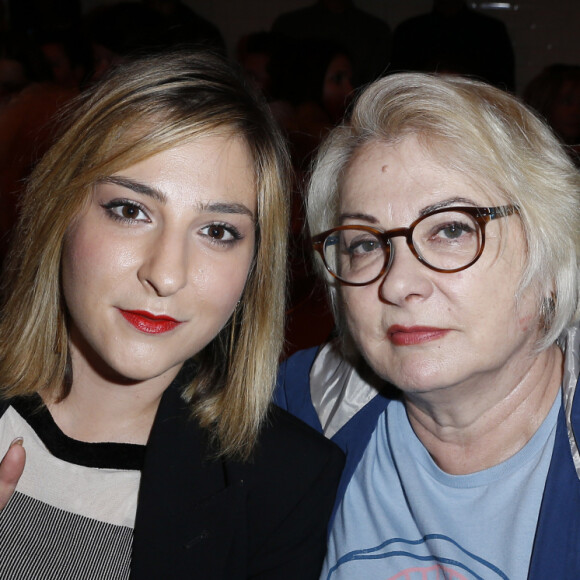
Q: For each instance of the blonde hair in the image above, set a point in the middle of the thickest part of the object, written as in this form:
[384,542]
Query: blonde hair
[142,108]
[494,139]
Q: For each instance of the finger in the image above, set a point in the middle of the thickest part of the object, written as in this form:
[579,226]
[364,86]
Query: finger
[11,468]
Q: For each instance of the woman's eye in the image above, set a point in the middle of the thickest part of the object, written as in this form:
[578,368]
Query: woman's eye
[221,233]
[363,247]
[131,212]
[126,211]
[454,231]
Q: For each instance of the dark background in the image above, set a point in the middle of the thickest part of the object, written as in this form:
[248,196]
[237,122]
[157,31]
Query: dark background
[542,31]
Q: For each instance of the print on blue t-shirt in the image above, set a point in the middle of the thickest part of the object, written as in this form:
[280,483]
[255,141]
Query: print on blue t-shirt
[402,517]
[415,561]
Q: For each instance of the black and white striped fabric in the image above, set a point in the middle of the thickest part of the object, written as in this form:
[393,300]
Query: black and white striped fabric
[73,513]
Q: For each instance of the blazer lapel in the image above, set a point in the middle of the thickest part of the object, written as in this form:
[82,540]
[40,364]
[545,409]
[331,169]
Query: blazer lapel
[555,553]
[186,516]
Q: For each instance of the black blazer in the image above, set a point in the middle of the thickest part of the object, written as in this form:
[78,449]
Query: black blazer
[219,519]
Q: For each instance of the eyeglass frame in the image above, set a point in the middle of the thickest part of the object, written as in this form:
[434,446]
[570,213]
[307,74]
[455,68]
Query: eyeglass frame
[482,215]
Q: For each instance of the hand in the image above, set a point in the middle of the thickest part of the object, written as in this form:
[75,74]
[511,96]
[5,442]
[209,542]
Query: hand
[11,468]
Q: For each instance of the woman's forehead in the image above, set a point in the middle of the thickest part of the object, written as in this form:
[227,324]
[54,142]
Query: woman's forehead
[414,166]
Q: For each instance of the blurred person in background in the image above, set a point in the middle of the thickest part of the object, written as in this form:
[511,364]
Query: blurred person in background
[555,94]
[366,38]
[454,38]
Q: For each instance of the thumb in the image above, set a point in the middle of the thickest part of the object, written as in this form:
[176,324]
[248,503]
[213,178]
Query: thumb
[11,468]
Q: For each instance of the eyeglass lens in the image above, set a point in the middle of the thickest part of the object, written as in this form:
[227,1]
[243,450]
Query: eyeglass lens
[446,241]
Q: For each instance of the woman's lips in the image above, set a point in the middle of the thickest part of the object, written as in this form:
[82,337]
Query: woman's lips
[149,323]
[411,335]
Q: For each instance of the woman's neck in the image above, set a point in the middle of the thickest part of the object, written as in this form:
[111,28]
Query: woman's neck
[469,433]
[99,409]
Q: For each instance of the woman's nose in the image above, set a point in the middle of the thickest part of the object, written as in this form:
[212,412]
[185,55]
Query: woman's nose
[406,279]
[165,264]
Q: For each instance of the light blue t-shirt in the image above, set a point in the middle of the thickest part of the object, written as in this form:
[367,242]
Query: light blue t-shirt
[403,518]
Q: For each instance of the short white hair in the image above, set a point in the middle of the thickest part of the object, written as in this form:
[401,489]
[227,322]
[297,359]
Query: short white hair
[490,136]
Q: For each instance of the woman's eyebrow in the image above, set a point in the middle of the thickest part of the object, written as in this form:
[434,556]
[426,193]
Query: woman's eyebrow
[136,186]
[158,195]
[227,207]
[428,209]
[446,203]
[357,216]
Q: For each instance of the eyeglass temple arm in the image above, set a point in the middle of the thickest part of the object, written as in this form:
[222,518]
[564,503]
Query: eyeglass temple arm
[501,211]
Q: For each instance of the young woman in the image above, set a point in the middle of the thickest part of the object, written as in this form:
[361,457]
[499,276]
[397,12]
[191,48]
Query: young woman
[141,328]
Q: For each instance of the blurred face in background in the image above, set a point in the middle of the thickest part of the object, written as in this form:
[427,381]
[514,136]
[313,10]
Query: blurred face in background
[565,112]
[337,88]
[255,65]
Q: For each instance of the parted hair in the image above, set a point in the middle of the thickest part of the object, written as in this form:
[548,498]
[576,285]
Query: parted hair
[495,140]
[145,106]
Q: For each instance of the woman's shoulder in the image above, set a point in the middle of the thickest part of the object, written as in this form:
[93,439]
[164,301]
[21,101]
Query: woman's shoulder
[294,450]
[24,404]
[4,404]
[291,462]
[284,430]
[290,486]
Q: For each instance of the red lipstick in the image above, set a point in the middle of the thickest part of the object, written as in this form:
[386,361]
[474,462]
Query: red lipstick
[149,323]
[412,335]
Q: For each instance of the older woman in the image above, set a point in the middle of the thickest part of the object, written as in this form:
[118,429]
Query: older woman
[447,217]
[140,333]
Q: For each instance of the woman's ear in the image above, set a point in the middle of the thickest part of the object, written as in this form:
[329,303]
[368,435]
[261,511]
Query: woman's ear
[547,310]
